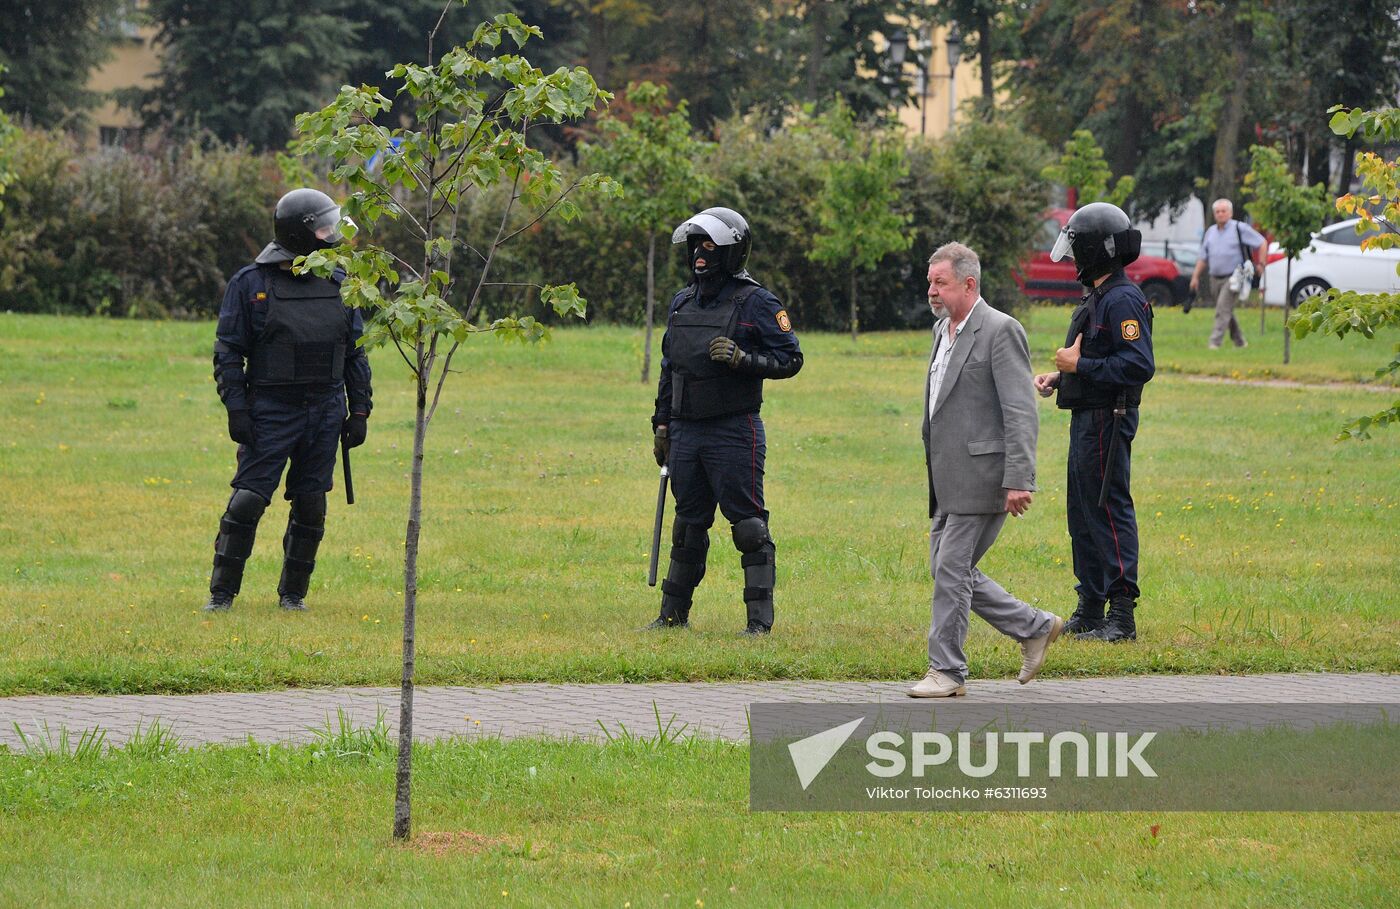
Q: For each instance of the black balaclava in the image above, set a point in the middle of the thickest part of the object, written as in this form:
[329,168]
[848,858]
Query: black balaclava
[712,276]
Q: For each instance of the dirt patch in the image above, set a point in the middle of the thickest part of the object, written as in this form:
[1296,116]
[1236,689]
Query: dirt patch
[453,842]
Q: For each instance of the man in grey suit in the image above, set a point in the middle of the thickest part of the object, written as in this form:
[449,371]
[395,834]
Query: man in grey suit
[980,427]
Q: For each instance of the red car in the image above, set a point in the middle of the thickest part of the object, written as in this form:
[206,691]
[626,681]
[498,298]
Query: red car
[1161,279]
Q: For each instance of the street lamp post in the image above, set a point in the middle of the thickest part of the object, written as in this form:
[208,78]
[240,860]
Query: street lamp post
[899,49]
[954,55]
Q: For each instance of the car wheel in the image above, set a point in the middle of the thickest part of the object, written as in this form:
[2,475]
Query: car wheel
[1159,294]
[1308,288]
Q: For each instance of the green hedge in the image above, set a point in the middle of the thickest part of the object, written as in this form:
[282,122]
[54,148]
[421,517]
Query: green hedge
[118,233]
[122,233]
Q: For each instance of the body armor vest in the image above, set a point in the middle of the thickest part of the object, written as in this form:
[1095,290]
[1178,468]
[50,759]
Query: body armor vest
[303,341]
[700,387]
[1078,392]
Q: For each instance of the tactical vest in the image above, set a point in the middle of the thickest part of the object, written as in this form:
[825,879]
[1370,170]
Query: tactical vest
[1078,392]
[700,387]
[303,341]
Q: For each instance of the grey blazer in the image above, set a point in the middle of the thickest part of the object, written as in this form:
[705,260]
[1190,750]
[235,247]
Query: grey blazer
[980,440]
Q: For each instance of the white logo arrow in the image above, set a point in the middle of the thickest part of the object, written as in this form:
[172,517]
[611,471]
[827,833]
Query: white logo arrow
[811,755]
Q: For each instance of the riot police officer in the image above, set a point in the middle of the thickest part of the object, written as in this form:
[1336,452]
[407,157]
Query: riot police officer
[1106,360]
[725,334]
[286,361]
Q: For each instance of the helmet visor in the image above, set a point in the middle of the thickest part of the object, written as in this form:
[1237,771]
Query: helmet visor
[325,225]
[1064,246]
[722,234]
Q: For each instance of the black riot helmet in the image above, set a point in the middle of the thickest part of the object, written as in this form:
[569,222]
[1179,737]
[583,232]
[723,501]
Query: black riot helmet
[307,220]
[1100,239]
[724,227]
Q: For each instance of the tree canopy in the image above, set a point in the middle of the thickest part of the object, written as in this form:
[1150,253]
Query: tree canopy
[49,49]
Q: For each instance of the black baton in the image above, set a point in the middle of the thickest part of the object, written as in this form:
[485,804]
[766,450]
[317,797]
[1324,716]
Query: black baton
[345,469]
[656,528]
[1120,410]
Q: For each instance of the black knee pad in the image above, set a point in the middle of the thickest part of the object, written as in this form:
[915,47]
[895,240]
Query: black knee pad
[246,506]
[309,509]
[689,545]
[751,534]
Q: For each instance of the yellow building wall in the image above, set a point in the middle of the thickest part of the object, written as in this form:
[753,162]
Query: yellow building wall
[133,64]
[929,114]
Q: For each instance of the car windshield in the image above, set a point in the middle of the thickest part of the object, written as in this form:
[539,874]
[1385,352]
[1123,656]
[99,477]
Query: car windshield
[1346,235]
[1181,252]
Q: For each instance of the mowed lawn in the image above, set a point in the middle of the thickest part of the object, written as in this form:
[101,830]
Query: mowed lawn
[628,824]
[1266,545]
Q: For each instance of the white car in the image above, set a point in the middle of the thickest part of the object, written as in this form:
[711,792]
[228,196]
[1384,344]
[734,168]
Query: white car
[1335,260]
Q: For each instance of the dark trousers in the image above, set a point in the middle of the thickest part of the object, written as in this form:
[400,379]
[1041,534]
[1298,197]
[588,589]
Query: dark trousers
[1104,540]
[718,462]
[301,428]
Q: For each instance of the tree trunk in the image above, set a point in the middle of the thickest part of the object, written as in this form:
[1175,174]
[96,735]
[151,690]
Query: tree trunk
[816,51]
[985,58]
[1348,167]
[1287,300]
[651,305]
[599,46]
[403,778]
[855,321]
[1224,180]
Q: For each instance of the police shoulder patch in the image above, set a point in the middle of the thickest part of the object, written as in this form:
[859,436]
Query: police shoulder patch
[1131,330]
[783,321]
[260,295]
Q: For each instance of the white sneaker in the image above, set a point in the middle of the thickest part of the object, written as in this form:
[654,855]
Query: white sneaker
[937,685]
[1033,651]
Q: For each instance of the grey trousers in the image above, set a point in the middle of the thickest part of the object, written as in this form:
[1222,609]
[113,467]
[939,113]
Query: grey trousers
[956,544]
[1225,301]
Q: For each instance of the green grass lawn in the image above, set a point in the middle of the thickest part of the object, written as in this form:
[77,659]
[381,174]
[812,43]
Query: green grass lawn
[629,824]
[1266,546]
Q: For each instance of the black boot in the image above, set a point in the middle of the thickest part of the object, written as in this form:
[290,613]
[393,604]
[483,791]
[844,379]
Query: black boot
[760,573]
[305,527]
[689,545]
[675,612]
[1119,625]
[237,529]
[1087,617]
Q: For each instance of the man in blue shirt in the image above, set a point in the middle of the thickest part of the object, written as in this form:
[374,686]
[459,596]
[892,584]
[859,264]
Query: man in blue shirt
[1224,248]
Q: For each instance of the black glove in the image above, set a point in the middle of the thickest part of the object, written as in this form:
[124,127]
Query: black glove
[354,431]
[661,446]
[240,427]
[724,350]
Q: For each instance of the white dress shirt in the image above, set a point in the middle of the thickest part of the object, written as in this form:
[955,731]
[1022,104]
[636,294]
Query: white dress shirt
[941,357]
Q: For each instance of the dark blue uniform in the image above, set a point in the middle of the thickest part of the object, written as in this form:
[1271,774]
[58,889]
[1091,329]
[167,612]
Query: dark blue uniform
[1115,362]
[296,422]
[286,360]
[717,441]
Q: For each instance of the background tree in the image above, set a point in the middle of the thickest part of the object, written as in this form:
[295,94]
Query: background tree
[1131,72]
[8,134]
[655,160]
[1291,213]
[242,69]
[468,135]
[1343,311]
[1082,168]
[50,48]
[989,29]
[858,209]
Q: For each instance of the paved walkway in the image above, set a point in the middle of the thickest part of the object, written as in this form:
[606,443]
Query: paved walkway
[583,711]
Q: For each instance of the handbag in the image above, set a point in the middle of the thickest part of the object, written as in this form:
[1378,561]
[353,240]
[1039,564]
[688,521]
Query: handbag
[1248,264]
